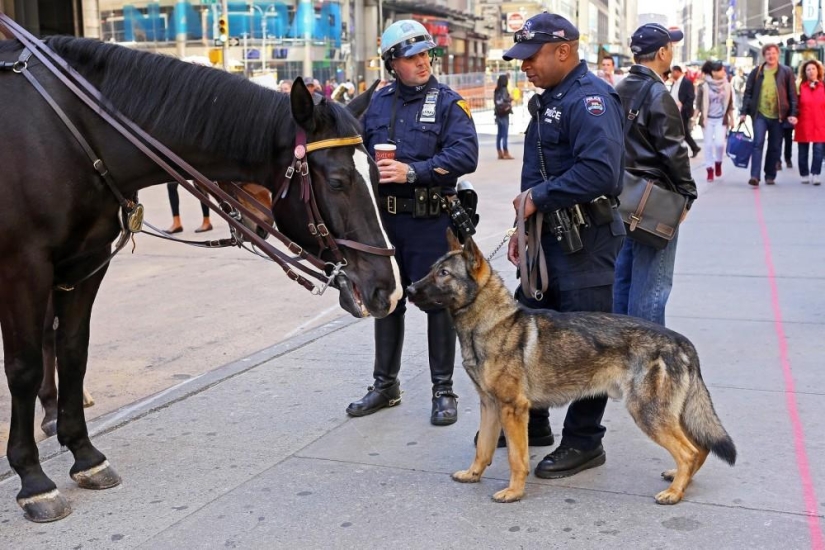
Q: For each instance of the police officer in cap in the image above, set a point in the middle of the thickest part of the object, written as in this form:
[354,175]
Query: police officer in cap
[573,158]
[436,143]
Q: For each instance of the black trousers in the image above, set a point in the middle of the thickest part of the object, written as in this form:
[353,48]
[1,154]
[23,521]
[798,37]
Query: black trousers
[689,138]
[787,137]
[583,428]
[174,200]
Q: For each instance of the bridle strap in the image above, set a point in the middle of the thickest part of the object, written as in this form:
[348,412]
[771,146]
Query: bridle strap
[334,142]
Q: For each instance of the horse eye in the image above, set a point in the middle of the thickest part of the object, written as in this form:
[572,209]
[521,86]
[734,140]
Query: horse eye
[335,184]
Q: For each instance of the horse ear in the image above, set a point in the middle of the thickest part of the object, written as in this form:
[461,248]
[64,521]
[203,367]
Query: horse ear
[360,102]
[302,105]
[452,240]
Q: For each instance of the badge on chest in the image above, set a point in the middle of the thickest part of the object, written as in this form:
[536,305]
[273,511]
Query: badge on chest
[552,115]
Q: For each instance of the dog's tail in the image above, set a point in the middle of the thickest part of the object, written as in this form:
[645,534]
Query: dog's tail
[701,422]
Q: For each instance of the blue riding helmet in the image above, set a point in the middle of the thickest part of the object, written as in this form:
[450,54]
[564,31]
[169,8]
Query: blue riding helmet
[404,38]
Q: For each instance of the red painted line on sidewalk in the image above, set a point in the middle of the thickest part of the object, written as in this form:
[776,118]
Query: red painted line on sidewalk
[808,492]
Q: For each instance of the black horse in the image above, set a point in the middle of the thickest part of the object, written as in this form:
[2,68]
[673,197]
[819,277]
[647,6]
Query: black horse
[58,219]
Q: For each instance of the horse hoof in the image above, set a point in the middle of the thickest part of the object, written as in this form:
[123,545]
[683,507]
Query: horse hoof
[44,508]
[102,476]
[49,427]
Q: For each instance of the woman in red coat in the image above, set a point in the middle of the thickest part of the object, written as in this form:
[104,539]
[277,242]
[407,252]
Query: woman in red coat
[811,126]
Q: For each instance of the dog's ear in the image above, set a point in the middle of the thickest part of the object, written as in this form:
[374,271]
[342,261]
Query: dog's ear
[476,263]
[452,240]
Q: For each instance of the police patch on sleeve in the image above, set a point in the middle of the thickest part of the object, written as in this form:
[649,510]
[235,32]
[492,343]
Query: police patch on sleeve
[464,107]
[595,105]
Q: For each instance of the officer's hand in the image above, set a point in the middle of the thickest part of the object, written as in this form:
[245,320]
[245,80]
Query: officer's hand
[529,206]
[512,249]
[793,120]
[392,171]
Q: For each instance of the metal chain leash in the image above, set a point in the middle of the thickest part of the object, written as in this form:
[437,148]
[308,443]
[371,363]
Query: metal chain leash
[509,233]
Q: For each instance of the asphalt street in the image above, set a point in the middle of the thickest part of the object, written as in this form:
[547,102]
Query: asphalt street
[257,452]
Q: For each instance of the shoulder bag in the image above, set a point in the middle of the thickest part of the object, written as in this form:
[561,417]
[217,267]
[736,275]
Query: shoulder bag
[651,214]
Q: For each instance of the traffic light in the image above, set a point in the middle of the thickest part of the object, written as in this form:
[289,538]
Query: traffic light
[223,29]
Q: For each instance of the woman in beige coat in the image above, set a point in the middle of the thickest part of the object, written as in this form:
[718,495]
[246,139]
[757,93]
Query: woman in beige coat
[714,102]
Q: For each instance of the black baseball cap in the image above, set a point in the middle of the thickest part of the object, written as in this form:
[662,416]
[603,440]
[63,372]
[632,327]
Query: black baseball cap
[652,36]
[538,30]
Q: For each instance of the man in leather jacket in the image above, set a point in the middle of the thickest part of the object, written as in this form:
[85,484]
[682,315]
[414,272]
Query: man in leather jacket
[654,148]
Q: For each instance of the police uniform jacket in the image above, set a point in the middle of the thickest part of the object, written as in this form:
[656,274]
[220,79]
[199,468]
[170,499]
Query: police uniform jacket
[440,149]
[578,125]
[654,142]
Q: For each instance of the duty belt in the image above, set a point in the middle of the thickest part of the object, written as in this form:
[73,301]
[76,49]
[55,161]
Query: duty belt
[425,203]
[592,213]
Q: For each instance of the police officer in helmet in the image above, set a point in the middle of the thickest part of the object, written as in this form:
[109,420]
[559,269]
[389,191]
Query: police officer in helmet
[436,143]
[573,159]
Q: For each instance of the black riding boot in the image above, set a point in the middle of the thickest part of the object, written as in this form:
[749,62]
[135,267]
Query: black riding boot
[441,343]
[386,392]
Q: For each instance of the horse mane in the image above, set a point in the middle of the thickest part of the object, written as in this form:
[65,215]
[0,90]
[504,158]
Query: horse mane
[179,102]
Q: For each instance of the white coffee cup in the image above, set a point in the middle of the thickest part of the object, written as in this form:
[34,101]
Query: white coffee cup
[384,151]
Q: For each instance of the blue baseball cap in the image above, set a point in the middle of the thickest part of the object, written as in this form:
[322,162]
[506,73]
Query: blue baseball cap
[652,36]
[539,30]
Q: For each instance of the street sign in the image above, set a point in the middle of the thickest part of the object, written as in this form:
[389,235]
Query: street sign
[810,16]
[515,21]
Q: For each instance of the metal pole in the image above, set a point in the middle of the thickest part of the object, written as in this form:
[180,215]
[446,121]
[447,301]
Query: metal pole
[381,31]
[309,19]
[225,45]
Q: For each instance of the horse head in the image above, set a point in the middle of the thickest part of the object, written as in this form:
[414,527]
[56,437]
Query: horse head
[344,180]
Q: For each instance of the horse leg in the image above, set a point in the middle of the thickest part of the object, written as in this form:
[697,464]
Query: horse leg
[90,470]
[23,304]
[48,388]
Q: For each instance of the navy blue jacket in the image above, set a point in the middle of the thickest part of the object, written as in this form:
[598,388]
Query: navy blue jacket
[579,124]
[440,152]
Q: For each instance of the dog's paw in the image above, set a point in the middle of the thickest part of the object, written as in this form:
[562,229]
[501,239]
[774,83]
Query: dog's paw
[508,495]
[669,475]
[466,476]
[668,496]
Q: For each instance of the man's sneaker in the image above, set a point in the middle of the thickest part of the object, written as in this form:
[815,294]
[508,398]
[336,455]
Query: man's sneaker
[718,169]
[788,163]
[566,461]
[816,179]
[753,181]
[779,165]
[769,181]
[806,179]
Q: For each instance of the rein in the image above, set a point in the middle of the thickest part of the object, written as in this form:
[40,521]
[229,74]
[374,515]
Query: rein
[158,153]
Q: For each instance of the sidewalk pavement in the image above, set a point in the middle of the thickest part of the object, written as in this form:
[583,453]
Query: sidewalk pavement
[260,454]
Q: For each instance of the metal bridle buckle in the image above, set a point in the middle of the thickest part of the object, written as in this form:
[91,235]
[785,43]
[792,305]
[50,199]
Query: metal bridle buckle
[19,66]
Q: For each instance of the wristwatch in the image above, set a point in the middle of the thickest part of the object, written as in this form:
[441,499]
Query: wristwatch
[411,175]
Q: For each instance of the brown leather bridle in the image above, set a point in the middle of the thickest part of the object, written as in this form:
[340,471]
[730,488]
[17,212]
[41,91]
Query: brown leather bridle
[178,169]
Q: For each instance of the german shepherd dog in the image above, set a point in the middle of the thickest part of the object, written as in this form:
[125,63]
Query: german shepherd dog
[520,358]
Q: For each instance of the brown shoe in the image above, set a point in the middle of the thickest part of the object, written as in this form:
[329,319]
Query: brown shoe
[770,182]
[753,181]
[506,155]
[204,228]
[500,154]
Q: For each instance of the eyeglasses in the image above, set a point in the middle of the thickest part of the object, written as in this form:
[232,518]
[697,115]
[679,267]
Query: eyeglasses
[525,35]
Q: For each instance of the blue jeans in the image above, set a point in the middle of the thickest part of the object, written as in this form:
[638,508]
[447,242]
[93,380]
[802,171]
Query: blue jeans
[644,277]
[816,163]
[502,125]
[761,126]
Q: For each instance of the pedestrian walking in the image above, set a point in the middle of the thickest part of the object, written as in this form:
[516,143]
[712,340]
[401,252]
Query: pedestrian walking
[572,163]
[738,83]
[684,94]
[435,144]
[714,99]
[174,202]
[770,99]
[503,107]
[810,129]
